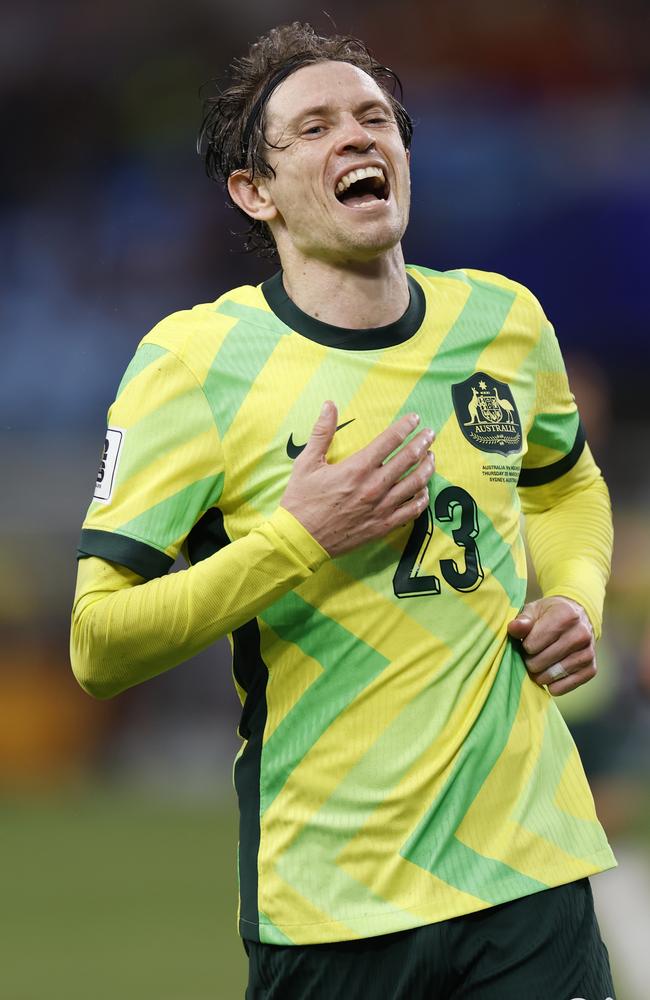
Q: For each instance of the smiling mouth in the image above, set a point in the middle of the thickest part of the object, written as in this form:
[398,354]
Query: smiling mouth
[366,186]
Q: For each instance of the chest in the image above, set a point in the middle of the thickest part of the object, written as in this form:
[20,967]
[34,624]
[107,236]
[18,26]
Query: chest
[478,407]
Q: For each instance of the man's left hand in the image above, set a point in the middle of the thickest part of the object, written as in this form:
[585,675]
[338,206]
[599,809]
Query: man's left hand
[557,643]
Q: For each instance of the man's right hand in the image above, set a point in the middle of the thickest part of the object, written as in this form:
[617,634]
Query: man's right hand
[364,497]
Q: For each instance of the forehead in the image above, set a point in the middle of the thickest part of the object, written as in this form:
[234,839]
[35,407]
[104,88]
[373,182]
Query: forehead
[337,84]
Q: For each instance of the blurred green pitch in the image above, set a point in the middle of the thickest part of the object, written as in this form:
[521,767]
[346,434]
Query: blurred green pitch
[111,893]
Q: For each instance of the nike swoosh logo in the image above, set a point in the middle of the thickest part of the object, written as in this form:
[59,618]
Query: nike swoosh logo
[293,450]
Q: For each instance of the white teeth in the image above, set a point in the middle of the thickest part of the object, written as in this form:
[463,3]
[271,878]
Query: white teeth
[357,175]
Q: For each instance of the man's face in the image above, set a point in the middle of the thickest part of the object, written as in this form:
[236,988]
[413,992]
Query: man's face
[331,119]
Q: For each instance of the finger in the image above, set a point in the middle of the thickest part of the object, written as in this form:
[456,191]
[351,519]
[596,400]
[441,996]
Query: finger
[575,644]
[569,664]
[520,626]
[551,626]
[407,457]
[409,510]
[411,485]
[573,681]
[389,440]
[322,433]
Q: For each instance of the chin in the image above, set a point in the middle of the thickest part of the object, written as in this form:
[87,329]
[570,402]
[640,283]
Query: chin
[368,242]
[353,243]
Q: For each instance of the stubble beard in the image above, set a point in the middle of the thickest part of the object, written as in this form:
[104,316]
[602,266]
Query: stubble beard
[343,244]
[364,243]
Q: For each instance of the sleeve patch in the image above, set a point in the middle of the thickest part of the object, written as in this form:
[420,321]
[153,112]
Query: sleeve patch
[108,465]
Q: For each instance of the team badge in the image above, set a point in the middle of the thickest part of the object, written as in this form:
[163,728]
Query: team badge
[487,414]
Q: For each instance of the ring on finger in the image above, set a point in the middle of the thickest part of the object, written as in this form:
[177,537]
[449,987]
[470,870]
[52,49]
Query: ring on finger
[556,672]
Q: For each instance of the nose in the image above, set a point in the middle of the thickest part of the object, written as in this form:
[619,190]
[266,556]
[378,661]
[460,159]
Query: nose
[353,136]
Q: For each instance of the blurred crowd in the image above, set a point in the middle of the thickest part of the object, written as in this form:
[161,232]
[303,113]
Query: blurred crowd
[530,157]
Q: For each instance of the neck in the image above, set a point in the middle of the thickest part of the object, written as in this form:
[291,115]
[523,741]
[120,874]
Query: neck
[355,295]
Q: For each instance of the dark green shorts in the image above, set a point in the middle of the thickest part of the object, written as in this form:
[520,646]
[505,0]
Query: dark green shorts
[542,947]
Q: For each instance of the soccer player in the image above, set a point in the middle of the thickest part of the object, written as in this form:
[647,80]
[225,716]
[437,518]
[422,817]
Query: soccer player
[415,821]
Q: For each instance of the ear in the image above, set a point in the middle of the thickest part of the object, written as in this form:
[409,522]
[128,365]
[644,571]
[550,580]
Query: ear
[252,196]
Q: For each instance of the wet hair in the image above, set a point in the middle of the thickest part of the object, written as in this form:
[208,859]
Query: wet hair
[232,134]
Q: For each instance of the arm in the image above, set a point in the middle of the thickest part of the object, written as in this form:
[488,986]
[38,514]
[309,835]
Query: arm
[569,528]
[569,531]
[126,629]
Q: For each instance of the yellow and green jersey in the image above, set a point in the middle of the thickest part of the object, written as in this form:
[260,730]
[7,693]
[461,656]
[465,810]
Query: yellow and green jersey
[399,767]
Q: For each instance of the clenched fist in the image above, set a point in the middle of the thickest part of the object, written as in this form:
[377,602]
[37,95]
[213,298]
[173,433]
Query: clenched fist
[557,643]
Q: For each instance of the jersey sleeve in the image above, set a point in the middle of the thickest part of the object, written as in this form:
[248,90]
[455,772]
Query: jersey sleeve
[126,630]
[161,466]
[555,440]
[562,492]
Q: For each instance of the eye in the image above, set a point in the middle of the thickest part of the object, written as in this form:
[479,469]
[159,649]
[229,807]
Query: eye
[378,119]
[313,130]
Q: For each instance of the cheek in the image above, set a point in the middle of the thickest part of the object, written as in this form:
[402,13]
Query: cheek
[300,197]
[309,208]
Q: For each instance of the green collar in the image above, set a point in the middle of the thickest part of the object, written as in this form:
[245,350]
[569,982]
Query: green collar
[369,339]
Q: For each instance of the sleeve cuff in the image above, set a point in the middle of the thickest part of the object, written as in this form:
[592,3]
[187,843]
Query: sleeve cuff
[588,592]
[296,536]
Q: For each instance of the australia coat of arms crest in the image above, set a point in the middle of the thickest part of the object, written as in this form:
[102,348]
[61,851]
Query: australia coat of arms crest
[487,414]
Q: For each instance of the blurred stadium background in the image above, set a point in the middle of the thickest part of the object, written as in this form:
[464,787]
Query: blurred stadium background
[531,157]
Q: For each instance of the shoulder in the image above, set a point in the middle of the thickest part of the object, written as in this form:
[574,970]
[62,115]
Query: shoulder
[195,335]
[485,280]
[492,278]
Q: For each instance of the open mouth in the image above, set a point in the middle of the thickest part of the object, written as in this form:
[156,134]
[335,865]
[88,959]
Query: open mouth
[365,186]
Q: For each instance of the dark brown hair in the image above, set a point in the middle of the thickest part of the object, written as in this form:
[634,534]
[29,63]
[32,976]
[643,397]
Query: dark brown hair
[232,136]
